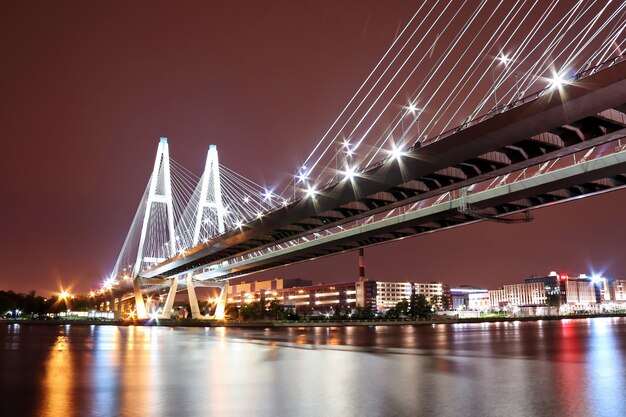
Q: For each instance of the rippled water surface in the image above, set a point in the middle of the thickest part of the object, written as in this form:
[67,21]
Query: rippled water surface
[549,368]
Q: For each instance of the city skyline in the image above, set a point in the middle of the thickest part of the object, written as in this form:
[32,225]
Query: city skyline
[82,136]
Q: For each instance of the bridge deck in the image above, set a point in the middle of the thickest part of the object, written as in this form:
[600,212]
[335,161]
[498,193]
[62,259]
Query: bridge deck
[522,191]
[582,115]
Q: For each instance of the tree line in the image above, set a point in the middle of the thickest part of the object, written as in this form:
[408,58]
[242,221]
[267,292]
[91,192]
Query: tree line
[31,305]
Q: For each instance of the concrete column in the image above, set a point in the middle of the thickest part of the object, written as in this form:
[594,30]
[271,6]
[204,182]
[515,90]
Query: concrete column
[169,302]
[117,309]
[193,299]
[221,301]
[140,305]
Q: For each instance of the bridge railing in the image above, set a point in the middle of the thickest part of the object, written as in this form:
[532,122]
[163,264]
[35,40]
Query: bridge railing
[526,99]
[612,114]
[491,113]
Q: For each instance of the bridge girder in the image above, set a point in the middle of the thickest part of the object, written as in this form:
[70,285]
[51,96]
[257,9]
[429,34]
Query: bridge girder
[511,134]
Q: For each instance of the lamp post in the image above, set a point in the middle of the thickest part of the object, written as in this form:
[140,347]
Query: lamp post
[300,176]
[504,59]
[417,113]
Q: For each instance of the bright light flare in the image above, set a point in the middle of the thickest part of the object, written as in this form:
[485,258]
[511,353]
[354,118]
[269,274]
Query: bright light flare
[503,58]
[311,191]
[557,81]
[349,173]
[413,108]
[397,153]
[64,295]
[302,174]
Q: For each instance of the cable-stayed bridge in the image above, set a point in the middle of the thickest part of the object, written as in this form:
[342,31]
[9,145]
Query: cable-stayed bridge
[530,136]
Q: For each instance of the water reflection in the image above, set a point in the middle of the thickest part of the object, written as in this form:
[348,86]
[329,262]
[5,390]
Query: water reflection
[106,369]
[549,368]
[59,377]
[605,364]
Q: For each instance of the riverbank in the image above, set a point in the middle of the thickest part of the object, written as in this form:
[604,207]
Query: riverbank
[307,323]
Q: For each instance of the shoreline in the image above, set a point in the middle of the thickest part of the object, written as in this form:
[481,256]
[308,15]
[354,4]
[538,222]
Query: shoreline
[285,324]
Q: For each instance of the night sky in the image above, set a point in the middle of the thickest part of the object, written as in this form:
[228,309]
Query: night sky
[87,88]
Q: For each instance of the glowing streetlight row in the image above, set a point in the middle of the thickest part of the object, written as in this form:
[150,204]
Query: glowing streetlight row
[349,173]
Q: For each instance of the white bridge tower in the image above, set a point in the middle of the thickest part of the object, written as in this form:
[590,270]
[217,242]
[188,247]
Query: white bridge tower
[160,193]
[210,211]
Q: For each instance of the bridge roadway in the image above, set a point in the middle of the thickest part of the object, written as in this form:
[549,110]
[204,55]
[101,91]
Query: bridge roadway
[584,114]
[517,193]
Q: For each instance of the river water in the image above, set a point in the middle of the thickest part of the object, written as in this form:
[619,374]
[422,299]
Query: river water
[545,368]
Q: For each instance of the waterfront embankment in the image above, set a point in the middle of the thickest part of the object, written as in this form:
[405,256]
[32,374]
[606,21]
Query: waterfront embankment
[301,323]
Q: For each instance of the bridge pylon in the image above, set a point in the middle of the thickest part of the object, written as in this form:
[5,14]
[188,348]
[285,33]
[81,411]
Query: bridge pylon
[210,197]
[210,211]
[160,193]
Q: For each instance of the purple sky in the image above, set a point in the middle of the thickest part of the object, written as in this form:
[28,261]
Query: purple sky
[87,88]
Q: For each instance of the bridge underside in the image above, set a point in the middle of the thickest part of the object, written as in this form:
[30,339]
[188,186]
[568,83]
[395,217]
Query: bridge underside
[577,181]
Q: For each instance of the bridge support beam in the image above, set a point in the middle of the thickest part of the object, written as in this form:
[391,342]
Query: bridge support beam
[193,299]
[221,300]
[140,305]
[169,301]
[117,307]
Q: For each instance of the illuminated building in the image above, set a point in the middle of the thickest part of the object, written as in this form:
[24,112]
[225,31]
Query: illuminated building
[527,294]
[385,295]
[553,287]
[460,296]
[302,299]
[378,295]
[581,292]
[321,298]
[478,301]
[617,290]
[433,290]
[268,285]
[388,294]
